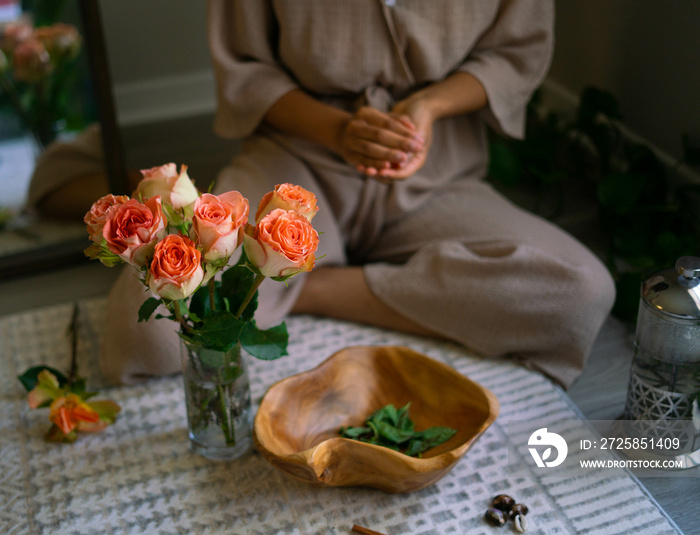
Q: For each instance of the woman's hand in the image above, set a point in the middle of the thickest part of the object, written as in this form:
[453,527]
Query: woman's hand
[419,113]
[375,143]
[387,146]
[460,93]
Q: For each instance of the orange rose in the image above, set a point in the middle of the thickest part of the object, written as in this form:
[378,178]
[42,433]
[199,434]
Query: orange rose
[218,223]
[31,61]
[288,197]
[176,270]
[176,189]
[62,41]
[14,33]
[283,244]
[96,217]
[133,228]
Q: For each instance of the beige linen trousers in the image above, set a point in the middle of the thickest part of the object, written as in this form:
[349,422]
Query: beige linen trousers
[441,248]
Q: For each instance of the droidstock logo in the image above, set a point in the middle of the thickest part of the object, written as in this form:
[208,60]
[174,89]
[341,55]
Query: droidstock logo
[543,438]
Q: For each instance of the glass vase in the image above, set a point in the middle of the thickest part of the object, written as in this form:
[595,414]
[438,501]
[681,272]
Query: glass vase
[217,394]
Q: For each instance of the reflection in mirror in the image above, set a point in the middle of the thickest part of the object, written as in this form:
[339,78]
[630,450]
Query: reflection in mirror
[52,102]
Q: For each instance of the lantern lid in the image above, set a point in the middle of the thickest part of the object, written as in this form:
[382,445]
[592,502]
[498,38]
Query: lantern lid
[675,292]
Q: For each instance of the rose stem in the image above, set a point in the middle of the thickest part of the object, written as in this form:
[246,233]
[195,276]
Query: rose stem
[226,426]
[364,531]
[212,295]
[254,288]
[179,318]
[9,89]
[74,346]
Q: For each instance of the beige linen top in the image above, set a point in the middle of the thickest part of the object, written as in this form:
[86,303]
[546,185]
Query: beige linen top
[367,52]
[339,50]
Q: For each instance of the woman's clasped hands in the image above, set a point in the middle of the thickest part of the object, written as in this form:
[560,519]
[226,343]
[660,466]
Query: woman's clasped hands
[386,146]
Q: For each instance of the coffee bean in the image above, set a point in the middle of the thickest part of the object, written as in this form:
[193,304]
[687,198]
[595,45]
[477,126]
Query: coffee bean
[518,509]
[503,502]
[495,516]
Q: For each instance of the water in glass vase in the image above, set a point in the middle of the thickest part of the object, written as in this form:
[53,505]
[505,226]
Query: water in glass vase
[217,393]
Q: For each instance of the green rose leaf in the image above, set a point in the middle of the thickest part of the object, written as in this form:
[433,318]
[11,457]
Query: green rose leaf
[235,283]
[199,304]
[29,378]
[148,308]
[219,331]
[270,344]
[231,373]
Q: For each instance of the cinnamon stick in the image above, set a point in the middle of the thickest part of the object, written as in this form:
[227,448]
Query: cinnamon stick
[364,531]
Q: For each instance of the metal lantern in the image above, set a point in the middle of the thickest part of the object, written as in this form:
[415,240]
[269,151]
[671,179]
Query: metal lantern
[665,375]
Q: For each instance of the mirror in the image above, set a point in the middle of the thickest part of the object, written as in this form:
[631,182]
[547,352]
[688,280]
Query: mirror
[50,95]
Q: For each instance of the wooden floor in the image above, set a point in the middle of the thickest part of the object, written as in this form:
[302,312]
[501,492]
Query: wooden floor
[599,393]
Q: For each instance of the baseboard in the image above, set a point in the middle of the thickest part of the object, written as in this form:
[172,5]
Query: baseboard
[165,98]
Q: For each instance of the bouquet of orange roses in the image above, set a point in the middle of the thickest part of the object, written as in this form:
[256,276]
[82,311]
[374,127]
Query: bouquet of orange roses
[179,240]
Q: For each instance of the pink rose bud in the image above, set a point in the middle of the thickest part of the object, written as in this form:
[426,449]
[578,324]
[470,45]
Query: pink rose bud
[218,223]
[62,41]
[288,197]
[176,270]
[96,217]
[14,33]
[133,228]
[176,189]
[31,61]
[283,244]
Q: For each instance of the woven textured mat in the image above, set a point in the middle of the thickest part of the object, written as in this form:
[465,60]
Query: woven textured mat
[138,476]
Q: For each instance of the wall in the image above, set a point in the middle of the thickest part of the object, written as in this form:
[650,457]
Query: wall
[645,52]
[159,58]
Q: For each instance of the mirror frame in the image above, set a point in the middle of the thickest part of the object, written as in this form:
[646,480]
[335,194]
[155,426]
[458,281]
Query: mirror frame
[71,251]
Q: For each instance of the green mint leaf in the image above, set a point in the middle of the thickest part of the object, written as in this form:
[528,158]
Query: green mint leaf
[415,447]
[390,415]
[392,428]
[354,432]
[270,344]
[434,436]
[392,434]
[403,421]
[148,308]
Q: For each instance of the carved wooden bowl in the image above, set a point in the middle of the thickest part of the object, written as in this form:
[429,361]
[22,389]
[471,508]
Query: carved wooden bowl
[297,424]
